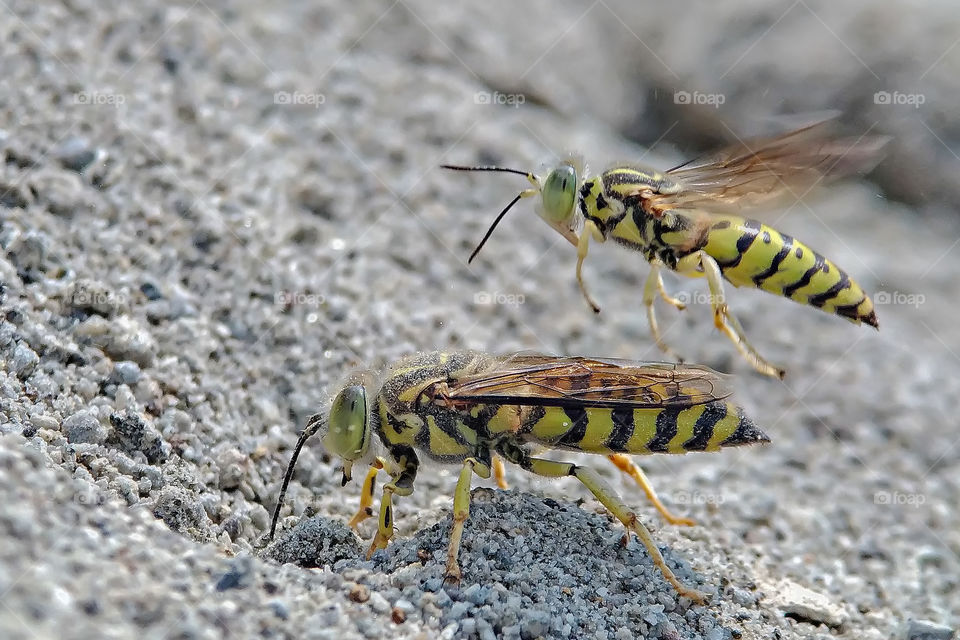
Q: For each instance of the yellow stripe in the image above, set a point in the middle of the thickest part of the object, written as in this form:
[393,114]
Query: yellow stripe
[686,420]
[554,423]
[599,428]
[469,434]
[627,230]
[442,444]
[392,435]
[757,258]
[505,420]
[644,430]
[722,243]
[725,428]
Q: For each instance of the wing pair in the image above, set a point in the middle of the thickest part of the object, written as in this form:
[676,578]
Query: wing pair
[590,383]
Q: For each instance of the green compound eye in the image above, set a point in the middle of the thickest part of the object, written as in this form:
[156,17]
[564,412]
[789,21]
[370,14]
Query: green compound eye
[559,193]
[347,425]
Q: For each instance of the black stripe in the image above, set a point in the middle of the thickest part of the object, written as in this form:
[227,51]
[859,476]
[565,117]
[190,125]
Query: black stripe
[818,262]
[750,229]
[564,402]
[601,201]
[775,263]
[658,231]
[746,433]
[533,417]
[643,223]
[406,458]
[703,429]
[822,298]
[852,311]
[572,438]
[481,423]
[666,430]
[446,421]
[622,429]
[723,224]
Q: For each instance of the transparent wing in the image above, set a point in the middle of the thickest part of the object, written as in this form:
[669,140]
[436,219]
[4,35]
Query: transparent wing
[769,171]
[589,382]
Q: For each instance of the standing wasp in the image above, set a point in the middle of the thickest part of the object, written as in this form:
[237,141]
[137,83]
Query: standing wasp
[465,407]
[686,219]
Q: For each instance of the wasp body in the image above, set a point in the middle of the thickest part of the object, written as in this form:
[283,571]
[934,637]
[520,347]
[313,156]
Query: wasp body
[687,220]
[467,408]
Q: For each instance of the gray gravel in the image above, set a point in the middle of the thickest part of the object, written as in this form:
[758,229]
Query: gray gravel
[209,213]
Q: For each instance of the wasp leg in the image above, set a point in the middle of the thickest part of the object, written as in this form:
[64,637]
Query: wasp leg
[722,318]
[583,245]
[609,498]
[385,523]
[366,494]
[403,467]
[499,473]
[676,302]
[651,287]
[461,511]
[632,469]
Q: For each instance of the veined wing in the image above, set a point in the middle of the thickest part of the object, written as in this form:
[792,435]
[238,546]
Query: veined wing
[590,383]
[769,171]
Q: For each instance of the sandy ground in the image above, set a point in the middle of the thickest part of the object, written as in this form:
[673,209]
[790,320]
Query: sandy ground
[211,212]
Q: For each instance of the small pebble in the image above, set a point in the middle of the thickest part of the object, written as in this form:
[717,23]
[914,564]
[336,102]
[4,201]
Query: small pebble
[84,427]
[378,603]
[125,372]
[927,630]
[75,153]
[24,361]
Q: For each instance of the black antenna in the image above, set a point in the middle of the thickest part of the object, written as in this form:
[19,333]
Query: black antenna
[454,167]
[494,226]
[313,424]
[486,237]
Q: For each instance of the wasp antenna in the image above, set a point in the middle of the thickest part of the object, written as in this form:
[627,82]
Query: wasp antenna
[454,167]
[494,226]
[313,423]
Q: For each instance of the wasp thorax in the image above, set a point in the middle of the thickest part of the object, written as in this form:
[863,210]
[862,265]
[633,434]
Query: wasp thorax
[559,193]
[346,434]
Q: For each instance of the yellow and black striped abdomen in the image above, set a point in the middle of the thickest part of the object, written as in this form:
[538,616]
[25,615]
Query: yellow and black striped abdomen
[703,427]
[751,254]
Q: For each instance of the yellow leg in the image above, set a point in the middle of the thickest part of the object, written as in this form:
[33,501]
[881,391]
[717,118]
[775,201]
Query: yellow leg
[722,318]
[727,322]
[385,523]
[651,287]
[583,245]
[629,467]
[366,494]
[461,511]
[608,497]
[676,302]
[499,473]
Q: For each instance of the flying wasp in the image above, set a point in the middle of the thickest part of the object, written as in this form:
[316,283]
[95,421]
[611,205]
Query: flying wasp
[687,219]
[466,407]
